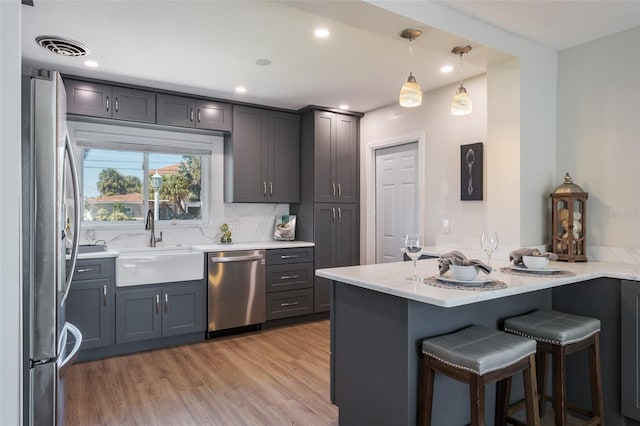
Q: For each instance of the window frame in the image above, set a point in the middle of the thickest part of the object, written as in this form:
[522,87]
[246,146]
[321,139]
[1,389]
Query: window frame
[87,135]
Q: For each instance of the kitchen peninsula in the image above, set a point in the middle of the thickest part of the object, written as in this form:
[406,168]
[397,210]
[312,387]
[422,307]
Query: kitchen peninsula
[379,318]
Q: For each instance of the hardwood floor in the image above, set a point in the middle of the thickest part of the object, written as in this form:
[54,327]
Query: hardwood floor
[272,377]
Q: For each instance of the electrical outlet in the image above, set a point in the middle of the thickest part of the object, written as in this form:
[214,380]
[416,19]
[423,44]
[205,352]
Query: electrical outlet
[445,226]
[234,226]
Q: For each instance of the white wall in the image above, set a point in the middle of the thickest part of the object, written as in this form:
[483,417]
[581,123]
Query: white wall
[10,276]
[537,110]
[443,135]
[599,139]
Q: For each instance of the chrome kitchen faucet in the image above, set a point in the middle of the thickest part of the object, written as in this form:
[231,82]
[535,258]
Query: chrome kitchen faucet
[150,225]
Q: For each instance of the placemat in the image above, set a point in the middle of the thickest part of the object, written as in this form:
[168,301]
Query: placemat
[491,285]
[554,274]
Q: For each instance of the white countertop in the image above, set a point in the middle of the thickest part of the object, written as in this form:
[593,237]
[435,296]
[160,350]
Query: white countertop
[255,245]
[258,245]
[390,278]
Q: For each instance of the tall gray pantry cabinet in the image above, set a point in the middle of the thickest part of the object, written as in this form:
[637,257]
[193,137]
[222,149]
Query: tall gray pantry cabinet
[328,212]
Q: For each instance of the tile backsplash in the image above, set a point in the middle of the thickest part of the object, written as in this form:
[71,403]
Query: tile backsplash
[248,223]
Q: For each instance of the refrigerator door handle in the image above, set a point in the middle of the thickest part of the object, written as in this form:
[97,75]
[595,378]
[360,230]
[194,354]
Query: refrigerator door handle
[76,213]
[64,363]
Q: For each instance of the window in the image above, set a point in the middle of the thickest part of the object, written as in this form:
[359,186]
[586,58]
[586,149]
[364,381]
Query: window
[117,185]
[118,169]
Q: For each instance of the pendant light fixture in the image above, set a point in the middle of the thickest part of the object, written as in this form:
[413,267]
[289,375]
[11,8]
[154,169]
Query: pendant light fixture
[410,93]
[461,102]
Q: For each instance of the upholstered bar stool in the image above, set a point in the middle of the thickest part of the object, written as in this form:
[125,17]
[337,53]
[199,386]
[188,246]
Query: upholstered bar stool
[561,334]
[478,355]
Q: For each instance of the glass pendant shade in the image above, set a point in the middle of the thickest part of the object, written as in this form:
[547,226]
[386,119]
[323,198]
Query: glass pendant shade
[410,93]
[461,103]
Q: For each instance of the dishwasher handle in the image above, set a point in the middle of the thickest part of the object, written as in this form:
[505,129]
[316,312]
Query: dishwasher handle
[235,258]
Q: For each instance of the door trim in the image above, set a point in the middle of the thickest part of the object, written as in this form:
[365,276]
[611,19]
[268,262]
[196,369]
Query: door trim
[368,215]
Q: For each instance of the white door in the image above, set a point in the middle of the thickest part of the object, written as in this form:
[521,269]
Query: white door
[396,199]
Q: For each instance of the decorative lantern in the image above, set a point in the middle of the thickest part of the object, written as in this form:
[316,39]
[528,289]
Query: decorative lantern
[568,221]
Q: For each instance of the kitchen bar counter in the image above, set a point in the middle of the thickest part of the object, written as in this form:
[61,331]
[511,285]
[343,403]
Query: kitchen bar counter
[379,318]
[390,278]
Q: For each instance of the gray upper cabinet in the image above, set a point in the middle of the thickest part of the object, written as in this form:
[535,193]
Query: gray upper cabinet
[262,157]
[106,101]
[190,112]
[335,157]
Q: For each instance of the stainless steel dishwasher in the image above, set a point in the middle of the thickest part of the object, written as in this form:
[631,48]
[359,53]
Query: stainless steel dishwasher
[236,289]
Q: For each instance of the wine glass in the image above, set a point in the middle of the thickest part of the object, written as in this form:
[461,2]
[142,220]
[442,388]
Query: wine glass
[489,243]
[413,249]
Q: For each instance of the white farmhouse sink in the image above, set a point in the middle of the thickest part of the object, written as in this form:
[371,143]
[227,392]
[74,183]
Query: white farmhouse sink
[158,265]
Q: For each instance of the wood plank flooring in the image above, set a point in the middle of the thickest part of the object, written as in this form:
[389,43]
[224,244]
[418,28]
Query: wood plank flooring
[272,377]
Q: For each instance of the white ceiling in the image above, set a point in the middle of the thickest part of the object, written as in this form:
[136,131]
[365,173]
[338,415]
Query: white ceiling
[210,47]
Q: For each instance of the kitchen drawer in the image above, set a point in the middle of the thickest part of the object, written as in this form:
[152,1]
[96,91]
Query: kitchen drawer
[289,277]
[90,269]
[290,255]
[289,303]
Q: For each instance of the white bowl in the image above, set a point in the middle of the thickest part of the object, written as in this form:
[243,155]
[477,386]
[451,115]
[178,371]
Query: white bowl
[535,262]
[463,273]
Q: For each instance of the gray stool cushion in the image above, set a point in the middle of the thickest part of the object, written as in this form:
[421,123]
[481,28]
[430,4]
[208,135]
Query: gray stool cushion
[553,327]
[479,349]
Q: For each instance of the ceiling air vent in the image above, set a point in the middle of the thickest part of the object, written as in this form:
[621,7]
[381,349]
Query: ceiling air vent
[62,46]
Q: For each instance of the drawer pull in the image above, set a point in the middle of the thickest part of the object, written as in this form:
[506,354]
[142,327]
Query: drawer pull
[285,304]
[289,256]
[289,277]
[84,270]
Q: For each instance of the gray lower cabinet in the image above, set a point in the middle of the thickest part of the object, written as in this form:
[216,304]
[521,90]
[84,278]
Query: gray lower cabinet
[630,342]
[183,111]
[262,161]
[336,233]
[289,282]
[90,305]
[106,101]
[154,311]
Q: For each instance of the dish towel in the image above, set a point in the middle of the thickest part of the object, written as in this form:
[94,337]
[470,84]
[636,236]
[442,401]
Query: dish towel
[455,257]
[516,255]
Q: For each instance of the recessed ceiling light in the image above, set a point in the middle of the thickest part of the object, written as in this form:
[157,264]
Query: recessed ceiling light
[344,106]
[321,33]
[446,68]
[263,62]
[91,64]
[241,89]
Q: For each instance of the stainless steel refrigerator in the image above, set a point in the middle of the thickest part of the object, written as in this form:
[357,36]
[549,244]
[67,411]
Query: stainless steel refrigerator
[50,201]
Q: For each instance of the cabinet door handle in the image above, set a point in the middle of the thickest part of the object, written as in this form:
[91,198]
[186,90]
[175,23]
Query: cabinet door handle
[117,104]
[104,295]
[264,189]
[284,304]
[287,277]
[339,213]
[288,256]
[80,271]
[339,190]
[333,213]
[199,115]
[191,114]
[271,189]
[108,104]
[333,189]
[166,303]
[157,303]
